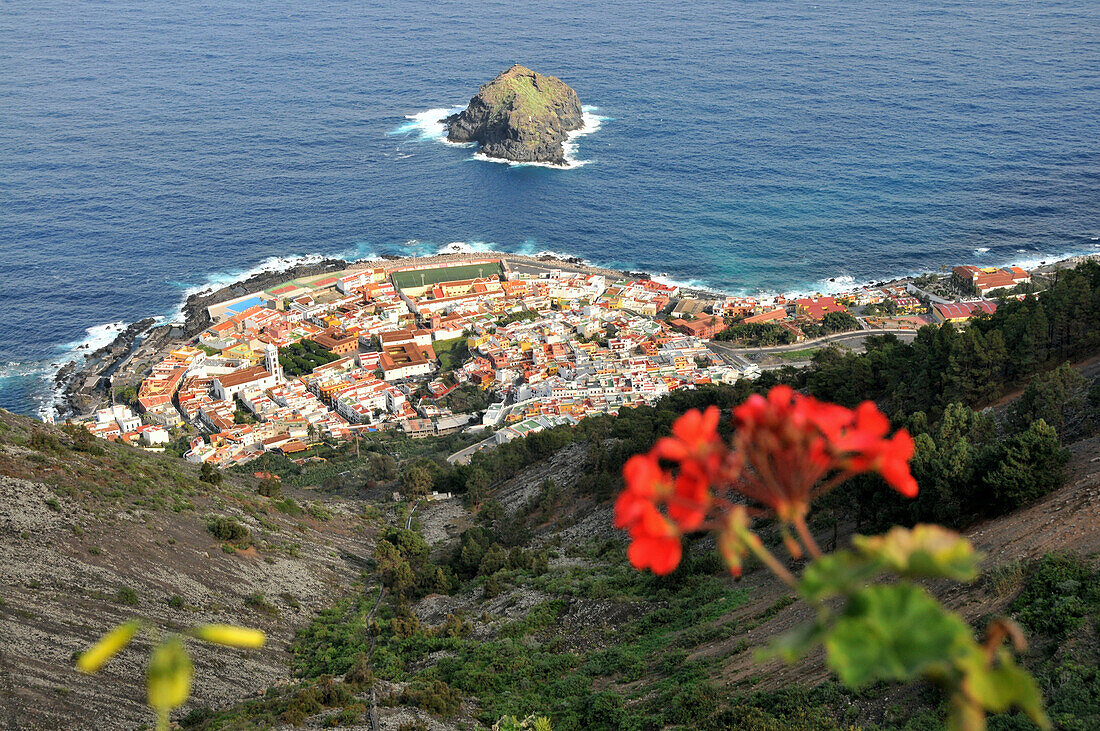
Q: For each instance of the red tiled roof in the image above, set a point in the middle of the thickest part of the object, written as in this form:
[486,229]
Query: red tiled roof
[777,314]
[964,309]
[245,375]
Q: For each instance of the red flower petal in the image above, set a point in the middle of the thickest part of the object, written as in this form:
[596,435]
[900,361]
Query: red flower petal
[660,555]
[643,475]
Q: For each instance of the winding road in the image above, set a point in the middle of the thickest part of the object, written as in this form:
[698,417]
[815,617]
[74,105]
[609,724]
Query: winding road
[854,336]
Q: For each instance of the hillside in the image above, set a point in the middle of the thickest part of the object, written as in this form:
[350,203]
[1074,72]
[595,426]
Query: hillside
[556,622]
[92,534]
[82,530]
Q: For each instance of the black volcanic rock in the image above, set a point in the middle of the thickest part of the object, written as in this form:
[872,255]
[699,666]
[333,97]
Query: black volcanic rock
[521,116]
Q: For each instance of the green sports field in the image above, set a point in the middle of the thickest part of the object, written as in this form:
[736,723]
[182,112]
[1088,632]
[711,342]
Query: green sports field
[402,280]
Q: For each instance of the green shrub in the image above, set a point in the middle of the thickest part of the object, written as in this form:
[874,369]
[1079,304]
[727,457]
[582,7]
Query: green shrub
[1005,579]
[302,705]
[226,529]
[288,506]
[434,696]
[360,675]
[270,487]
[318,511]
[43,441]
[348,716]
[257,601]
[127,596]
[1058,594]
[331,693]
[209,473]
[1025,467]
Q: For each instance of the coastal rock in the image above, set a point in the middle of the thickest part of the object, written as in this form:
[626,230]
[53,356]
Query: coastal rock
[85,387]
[520,115]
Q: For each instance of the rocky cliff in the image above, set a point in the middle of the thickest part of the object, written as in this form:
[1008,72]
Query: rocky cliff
[520,115]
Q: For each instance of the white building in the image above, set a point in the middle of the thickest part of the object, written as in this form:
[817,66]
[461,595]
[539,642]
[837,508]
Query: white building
[246,379]
[152,434]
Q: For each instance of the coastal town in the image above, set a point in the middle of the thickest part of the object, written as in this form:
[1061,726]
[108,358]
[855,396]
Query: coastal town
[489,346]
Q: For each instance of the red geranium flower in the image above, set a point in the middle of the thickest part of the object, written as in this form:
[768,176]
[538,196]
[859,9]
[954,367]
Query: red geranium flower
[655,541]
[791,442]
[698,451]
[788,448]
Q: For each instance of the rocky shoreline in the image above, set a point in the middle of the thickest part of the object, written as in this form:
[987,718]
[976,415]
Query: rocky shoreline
[83,388]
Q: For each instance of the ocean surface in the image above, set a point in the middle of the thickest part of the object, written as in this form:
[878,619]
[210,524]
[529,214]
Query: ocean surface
[149,149]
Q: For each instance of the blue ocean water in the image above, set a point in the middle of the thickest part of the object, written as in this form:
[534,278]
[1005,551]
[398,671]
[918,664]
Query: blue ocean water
[148,148]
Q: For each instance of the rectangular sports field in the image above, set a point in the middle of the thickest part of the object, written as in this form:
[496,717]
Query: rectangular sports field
[402,280]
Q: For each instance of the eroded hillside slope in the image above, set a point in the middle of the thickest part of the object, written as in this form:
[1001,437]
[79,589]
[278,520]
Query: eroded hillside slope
[92,534]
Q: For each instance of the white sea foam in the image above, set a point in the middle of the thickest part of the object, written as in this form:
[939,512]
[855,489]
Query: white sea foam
[592,122]
[362,251]
[684,283]
[94,338]
[564,258]
[429,124]
[1034,261]
[833,285]
[42,372]
[23,369]
[569,164]
[467,247]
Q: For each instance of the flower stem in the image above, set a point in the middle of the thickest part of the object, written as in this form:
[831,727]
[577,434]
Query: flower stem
[757,547]
[807,537]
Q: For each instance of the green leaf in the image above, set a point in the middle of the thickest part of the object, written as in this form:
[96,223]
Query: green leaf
[1001,687]
[923,550]
[894,632]
[169,676]
[792,645]
[841,572]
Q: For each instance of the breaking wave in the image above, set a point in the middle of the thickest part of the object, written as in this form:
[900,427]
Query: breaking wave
[428,125]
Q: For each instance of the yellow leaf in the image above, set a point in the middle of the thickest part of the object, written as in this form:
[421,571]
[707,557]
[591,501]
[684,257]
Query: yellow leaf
[107,647]
[169,677]
[923,550]
[963,715]
[227,634]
